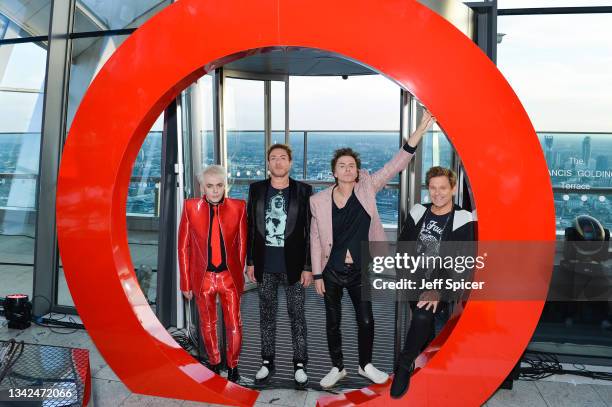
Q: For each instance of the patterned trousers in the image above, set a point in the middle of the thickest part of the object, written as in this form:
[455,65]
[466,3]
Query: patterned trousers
[268,307]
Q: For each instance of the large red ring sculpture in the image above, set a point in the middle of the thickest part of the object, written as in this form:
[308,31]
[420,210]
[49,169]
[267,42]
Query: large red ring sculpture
[402,39]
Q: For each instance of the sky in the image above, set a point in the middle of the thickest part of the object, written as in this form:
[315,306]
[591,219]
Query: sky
[368,102]
[560,66]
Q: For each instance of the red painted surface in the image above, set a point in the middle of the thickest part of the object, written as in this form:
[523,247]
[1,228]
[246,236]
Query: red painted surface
[83,370]
[402,39]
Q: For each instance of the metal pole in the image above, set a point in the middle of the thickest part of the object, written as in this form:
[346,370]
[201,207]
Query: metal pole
[305,170]
[53,136]
[287,129]
[167,290]
[405,203]
[220,138]
[267,120]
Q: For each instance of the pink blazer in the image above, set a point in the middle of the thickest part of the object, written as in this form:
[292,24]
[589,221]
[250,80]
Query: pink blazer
[321,233]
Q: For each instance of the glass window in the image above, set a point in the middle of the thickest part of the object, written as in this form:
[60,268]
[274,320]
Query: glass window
[569,205]
[564,82]
[142,217]
[577,161]
[581,173]
[562,76]
[22,74]
[143,193]
[88,56]
[437,151]
[24,18]
[563,79]
[296,141]
[374,148]
[361,112]
[206,124]
[143,211]
[197,127]
[278,111]
[244,124]
[97,15]
[368,102]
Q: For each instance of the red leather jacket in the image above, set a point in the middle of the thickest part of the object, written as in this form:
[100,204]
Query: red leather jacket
[193,241]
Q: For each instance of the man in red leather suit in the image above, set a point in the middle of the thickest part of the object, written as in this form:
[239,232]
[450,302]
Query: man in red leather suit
[211,252]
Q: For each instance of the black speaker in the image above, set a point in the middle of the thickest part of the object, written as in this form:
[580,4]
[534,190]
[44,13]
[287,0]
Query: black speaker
[18,311]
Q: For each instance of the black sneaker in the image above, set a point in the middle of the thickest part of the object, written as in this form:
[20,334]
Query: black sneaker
[401,381]
[232,374]
[216,369]
[300,377]
[265,372]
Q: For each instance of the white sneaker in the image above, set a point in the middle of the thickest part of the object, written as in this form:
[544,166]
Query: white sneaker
[375,375]
[332,378]
[300,377]
[262,373]
[265,372]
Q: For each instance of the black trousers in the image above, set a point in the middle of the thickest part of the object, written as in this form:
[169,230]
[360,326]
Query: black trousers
[420,333]
[335,283]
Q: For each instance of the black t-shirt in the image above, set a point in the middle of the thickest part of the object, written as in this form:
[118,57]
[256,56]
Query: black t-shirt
[430,235]
[351,226]
[277,204]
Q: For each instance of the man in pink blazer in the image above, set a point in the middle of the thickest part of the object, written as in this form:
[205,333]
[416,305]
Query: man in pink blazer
[343,216]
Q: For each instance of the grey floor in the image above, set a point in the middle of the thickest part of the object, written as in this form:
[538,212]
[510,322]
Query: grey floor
[108,390]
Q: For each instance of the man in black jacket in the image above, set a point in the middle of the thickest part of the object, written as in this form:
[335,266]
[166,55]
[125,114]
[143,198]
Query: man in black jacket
[278,253]
[427,226]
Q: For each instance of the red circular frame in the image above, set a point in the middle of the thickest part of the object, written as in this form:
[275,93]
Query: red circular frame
[402,39]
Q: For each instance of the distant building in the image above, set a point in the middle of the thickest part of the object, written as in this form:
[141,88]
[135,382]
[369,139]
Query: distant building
[586,149]
[548,152]
[602,163]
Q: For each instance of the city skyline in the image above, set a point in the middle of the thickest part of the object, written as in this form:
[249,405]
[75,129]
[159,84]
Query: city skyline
[562,152]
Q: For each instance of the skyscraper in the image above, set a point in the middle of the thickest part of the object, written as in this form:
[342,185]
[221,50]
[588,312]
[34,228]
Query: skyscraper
[548,153]
[586,150]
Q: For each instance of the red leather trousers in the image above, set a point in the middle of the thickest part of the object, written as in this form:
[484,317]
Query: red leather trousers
[223,285]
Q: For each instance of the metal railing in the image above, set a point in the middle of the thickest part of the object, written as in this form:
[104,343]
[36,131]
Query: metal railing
[304,134]
[7,178]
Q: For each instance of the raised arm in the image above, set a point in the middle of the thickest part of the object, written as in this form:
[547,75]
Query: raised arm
[400,161]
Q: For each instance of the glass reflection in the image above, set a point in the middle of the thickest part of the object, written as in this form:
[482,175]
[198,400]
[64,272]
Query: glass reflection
[22,74]
[88,57]
[96,15]
[244,121]
[24,18]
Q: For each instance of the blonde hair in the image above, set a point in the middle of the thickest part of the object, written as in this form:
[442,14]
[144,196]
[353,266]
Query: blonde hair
[213,170]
